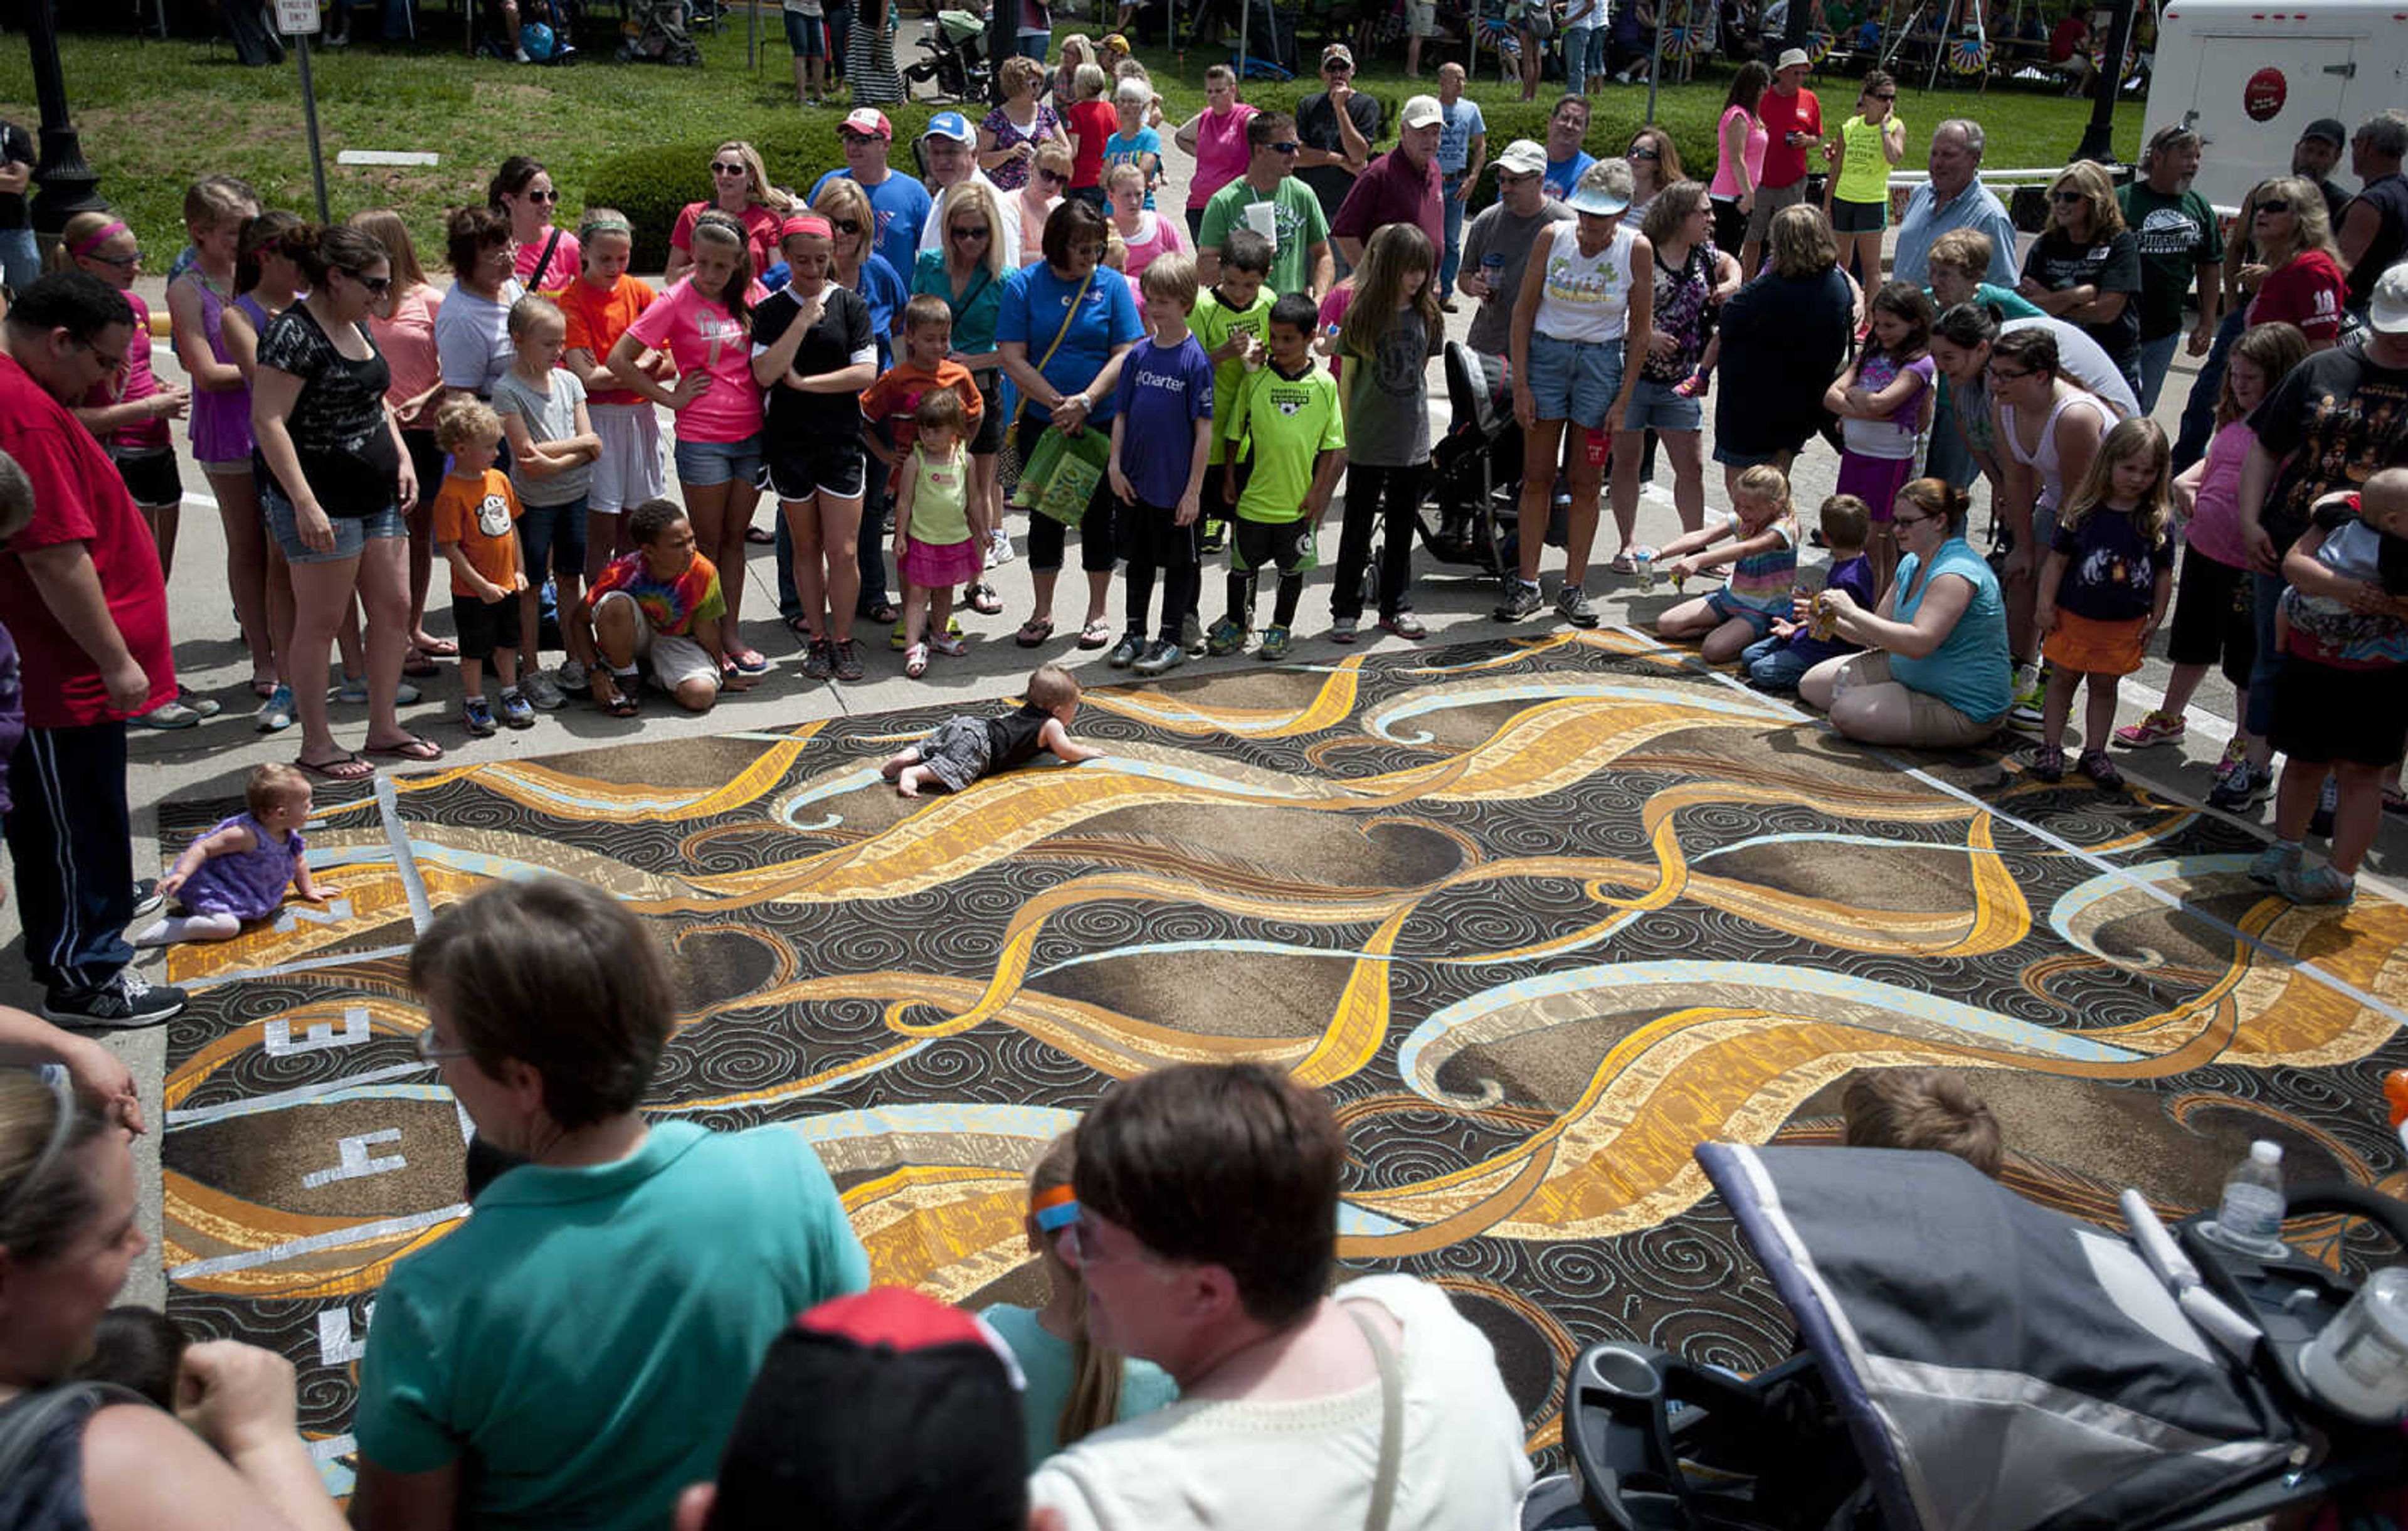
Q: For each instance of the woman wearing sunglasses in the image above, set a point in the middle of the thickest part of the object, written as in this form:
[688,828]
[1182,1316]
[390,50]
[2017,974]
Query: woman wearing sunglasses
[2086,266]
[739,187]
[968,272]
[2298,275]
[1861,155]
[522,191]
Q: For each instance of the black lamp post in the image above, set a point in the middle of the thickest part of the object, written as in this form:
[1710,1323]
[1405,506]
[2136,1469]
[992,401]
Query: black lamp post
[2099,138]
[68,185]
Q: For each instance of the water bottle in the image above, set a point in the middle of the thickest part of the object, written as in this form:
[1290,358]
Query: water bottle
[1492,271]
[1643,562]
[2359,1364]
[2250,1217]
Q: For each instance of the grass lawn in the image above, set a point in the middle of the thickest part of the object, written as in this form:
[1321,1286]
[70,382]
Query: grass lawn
[154,115]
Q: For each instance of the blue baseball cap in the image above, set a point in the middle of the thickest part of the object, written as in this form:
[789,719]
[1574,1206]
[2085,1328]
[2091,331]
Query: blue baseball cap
[949,124]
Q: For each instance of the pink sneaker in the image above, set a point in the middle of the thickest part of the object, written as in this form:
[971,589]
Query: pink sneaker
[2157,728]
[1694,384]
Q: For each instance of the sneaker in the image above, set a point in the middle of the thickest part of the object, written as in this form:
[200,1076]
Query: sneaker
[2235,752]
[1694,384]
[2031,691]
[572,680]
[1572,606]
[2154,729]
[1275,642]
[2246,786]
[1126,651]
[275,715]
[2094,765]
[1521,601]
[819,659]
[353,692]
[1160,656]
[1215,533]
[1342,629]
[2321,886]
[1405,626]
[166,715]
[847,657]
[517,712]
[2270,867]
[148,899]
[2048,763]
[207,707]
[476,717]
[127,1001]
[540,691]
[999,549]
[2320,823]
[1226,637]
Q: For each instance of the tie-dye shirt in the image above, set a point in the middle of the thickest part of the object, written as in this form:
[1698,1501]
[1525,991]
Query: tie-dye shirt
[671,607]
[1761,582]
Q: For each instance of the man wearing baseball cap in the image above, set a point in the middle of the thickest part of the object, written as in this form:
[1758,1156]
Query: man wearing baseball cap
[1793,125]
[1402,186]
[899,202]
[1497,246]
[949,148]
[1338,125]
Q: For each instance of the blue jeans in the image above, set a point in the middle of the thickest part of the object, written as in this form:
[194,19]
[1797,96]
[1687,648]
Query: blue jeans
[2199,414]
[1772,664]
[1452,261]
[1584,56]
[1033,45]
[2156,356]
[20,259]
[2265,670]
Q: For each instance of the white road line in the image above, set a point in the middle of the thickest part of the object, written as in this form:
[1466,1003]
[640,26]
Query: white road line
[333,1240]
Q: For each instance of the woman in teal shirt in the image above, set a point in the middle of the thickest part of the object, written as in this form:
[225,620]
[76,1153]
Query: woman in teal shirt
[967,269]
[1934,673]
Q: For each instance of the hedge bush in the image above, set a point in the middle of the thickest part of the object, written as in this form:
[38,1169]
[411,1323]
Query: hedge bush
[652,184]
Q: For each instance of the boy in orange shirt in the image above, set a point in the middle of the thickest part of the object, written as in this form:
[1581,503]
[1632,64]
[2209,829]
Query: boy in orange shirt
[476,516]
[892,401]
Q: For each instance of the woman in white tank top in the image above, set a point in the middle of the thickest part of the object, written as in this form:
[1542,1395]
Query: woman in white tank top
[2050,427]
[1588,286]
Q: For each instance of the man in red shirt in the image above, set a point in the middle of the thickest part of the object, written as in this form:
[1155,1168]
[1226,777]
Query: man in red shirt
[1402,186]
[1793,124]
[88,608]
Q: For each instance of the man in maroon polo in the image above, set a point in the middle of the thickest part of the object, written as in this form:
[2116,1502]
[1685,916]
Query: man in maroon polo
[1402,186]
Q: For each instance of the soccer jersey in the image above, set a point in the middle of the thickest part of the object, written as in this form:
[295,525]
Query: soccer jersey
[670,607]
[479,514]
[1214,321]
[1289,423]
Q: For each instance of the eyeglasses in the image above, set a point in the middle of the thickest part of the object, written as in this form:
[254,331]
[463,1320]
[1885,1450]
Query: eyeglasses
[377,286]
[854,141]
[2275,204]
[1285,146]
[979,232]
[2000,374]
[107,361]
[730,170]
[844,225]
[430,1051]
[2063,198]
[1902,523]
[1051,174]
[541,196]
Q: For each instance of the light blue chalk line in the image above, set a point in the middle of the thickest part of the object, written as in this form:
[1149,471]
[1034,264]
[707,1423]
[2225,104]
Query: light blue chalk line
[364,1233]
[1455,699]
[421,912]
[325,1092]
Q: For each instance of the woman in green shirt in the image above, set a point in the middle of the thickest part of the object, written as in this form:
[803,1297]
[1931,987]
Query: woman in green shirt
[1861,155]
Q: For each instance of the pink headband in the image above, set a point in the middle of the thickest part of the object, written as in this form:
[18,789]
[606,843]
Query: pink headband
[806,223]
[86,245]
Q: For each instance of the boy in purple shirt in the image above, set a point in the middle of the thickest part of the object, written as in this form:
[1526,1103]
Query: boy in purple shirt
[1162,440]
[1775,662]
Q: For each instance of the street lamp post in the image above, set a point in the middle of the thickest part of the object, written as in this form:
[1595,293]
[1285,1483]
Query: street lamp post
[68,185]
[2099,138]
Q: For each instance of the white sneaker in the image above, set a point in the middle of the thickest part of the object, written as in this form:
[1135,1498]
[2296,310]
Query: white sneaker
[2031,691]
[540,692]
[999,549]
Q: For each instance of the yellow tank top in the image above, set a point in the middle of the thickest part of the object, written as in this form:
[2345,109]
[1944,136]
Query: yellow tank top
[1864,169]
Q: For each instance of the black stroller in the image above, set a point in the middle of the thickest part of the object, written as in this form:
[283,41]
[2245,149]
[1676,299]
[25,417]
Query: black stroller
[956,60]
[656,33]
[1975,1361]
[1477,465]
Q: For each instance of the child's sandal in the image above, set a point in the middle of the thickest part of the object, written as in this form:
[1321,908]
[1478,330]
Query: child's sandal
[915,661]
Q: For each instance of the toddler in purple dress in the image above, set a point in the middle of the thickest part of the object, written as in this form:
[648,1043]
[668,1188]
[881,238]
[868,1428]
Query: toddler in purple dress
[239,870]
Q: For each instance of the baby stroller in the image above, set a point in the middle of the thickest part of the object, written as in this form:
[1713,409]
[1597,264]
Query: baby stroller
[1478,464]
[656,33]
[955,42]
[1975,1361]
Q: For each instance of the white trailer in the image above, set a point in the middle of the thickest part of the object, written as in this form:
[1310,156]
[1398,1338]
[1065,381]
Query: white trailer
[2251,77]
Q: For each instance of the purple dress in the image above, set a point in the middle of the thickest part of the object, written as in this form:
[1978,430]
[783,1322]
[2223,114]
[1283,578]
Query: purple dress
[247,884]
[220,421]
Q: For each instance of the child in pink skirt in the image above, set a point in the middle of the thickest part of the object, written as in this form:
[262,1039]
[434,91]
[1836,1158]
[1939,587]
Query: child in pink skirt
[933,546]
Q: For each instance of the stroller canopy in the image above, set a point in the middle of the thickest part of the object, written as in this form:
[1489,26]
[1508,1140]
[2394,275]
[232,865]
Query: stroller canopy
[1999,1365]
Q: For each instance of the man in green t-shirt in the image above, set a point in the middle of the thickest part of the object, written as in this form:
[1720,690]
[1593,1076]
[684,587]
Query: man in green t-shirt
[2179,247]
[1287,410]
[1296,227]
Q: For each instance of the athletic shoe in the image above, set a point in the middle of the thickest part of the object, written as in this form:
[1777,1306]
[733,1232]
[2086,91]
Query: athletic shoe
[1275,642]
[1405,626]
[819,659]
[476,717]
[1342,629]
[1522,601]
[2270,867]
[2094,765]
[2235,752]
[207,707]
[2321,886]
[572,680]
[148,899]
[2154,729]
[540,692]
[2031,691]
[275,715]
[847,661]
[1126,651]
[2048,764]
[1694,384]
[999,549]
[166,715]
[353,692]
[2246,786]
[1226,637]
[127,1001]
[517,711]
[1160,656]
[1571,604]
[2320,823]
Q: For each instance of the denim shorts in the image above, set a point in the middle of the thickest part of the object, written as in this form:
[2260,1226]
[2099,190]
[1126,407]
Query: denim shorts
[1575,381]
[1721,604]
[553,537]
[1654,406]
[351,533]
[807,37]
[703,463]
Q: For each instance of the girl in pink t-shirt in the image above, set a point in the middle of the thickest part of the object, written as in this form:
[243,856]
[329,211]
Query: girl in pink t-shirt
[130,409]
[2210,623]
[1217,138]
[704,325]
[1144,232]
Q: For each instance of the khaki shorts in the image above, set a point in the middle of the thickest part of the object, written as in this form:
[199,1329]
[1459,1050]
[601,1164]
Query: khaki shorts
[1421,18]
[1937,725]
[1771,200]
[673,660]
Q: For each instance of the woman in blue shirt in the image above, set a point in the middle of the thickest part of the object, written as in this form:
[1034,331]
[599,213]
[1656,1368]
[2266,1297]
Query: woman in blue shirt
[1934,673]
[1063,328]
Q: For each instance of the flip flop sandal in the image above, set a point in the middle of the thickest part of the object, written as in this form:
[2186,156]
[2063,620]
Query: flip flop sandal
[439,649]
[1097,634]
[1034,632]
[749,661]
[620,706]
[1623,564]
[416,747]
[885,614]
[2394,800]
[760,538]
[344,768]
[984,601]
[263,687]
[418,667]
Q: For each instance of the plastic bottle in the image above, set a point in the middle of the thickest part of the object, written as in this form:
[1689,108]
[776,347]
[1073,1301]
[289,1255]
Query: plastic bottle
[2359,1363]
[2250,1216]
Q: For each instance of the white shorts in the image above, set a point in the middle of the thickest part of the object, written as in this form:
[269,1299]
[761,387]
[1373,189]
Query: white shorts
[1421,18]
[673,660]
[628,472]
